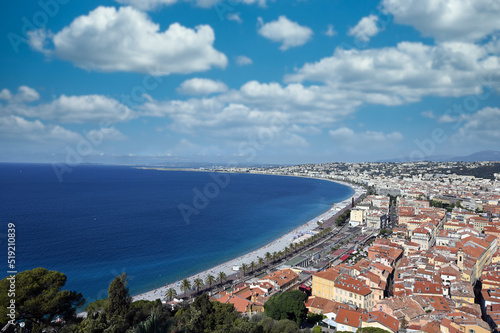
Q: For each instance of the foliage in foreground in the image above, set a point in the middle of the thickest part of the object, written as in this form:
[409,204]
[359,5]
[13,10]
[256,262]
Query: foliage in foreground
[38,299]
[41,300]
[288,305]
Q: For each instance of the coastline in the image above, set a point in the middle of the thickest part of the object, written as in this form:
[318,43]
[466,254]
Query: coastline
[275,246]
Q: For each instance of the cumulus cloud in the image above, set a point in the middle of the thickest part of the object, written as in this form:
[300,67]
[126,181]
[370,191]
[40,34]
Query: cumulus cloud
[459,20]
[404,73]
[65,109]
[365,29]
[127,40]
[198,86]
[19,129]
[24,94]
[479,129]
[243,60]
[288,33]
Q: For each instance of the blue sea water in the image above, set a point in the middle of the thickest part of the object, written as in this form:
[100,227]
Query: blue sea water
[101,221]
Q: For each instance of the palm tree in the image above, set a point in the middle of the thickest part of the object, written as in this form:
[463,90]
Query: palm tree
[244,268]
[210,280]
[198,283]
[275,255]
[280,254]
[261,262]
[222,277]
[287,251]
[186,285]
[253,265]
[171,293]
[153,325]
[268,256]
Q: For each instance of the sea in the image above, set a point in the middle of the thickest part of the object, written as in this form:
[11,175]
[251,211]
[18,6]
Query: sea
[93,223]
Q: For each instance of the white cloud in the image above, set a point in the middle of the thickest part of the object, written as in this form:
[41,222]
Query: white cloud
[154,4]
[24,94]
[404,73]
[428,114]
[127,40]
[17,129]
[365,29]
[330,31]
[107,133]
[349,139]
[479,129]
[66,109]
[243,60]
[446,118]
[460,20]
[288,33]
[147,4]
[199,86]
[234,17]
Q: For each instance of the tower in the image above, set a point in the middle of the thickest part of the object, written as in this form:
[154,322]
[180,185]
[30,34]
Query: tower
[460,258]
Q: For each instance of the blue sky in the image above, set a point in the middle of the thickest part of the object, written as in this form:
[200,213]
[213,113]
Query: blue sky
[248,81]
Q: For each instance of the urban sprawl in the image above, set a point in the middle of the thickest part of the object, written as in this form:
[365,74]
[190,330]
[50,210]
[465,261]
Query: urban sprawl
[418,251]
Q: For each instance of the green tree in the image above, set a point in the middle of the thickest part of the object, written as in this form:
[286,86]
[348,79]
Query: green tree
[385,231]
[287,305]
[222,277]
[314,318]
[244,268]
[210,280]
[185,285]
[317,329]
[287,251]
[153,324]
[119,299]
[171,294]
[198,283]
[253,265]
[39,297]
[261,262]
[118,305]
[268,257]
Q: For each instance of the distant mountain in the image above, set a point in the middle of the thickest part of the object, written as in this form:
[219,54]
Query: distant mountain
[485,155]
[434,158]
[482,156]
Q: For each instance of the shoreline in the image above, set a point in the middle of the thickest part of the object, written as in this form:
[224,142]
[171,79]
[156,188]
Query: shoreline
[274,246]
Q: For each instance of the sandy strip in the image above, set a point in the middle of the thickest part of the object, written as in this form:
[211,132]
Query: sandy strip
[275,246]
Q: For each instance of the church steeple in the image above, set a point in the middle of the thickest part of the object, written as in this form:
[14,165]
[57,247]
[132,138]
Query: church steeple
[460,258]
